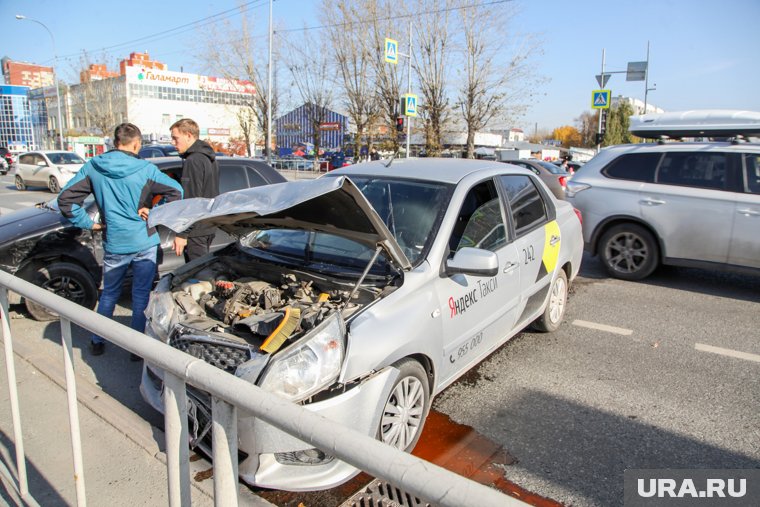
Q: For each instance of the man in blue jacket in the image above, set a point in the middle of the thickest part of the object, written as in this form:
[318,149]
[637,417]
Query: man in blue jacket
[122,184]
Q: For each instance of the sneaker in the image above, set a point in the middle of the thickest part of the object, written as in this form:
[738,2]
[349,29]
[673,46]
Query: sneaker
[134,358]
[97,349]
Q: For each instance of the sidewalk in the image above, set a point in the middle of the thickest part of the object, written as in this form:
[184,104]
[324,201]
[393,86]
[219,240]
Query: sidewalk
[124,462]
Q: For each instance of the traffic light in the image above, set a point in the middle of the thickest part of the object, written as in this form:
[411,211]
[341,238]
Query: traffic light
[599,138]
[400,124]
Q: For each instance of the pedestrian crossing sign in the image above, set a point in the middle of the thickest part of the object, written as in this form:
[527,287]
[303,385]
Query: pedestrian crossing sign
[600,99]
[410,104]
[391,51]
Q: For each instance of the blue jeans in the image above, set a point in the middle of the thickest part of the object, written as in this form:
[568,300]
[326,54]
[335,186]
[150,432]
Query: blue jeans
[115,267]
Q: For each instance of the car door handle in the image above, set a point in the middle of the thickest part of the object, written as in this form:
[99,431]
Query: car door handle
[553,240]
[651,202]
[748,212]
[509,266]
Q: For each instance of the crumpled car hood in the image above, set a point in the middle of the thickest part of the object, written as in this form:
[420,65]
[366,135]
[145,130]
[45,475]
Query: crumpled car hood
[330,205]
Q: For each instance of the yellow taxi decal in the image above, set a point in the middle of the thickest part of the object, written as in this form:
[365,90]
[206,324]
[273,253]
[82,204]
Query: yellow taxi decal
[551,245]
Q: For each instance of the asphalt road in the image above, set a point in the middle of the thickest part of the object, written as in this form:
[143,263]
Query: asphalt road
[657,374]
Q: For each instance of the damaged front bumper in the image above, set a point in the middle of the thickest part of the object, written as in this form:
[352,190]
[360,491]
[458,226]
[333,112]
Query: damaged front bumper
[270,457]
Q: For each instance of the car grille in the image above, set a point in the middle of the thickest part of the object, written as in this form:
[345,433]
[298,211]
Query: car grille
[223,356]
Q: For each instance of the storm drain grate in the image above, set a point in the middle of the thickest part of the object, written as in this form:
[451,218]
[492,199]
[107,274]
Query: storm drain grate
[382,494]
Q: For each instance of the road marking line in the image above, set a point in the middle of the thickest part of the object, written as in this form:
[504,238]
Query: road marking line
[727,352]
[603,327]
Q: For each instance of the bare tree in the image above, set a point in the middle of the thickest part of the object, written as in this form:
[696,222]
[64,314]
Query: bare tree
[494,74]
[230,53]
[93,100]
[587,124]
[312,76]
[354,56]
[431,62]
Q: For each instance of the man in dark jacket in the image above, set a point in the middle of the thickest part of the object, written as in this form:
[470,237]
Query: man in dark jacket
[200,178]
[122,184]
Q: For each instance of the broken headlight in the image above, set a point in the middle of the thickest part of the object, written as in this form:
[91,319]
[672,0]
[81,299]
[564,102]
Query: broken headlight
[161,310]
[310,364]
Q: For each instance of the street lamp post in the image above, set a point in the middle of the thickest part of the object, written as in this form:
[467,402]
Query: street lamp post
[55,79]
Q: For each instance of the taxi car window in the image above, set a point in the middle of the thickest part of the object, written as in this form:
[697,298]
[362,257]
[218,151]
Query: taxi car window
[411,210]
[232,178]
[480,222]
[65,158]
[26,159]
[752,173]
[634,167]
[525,202]
[693,169]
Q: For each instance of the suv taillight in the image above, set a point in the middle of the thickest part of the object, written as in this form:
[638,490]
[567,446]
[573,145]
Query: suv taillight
[563,181]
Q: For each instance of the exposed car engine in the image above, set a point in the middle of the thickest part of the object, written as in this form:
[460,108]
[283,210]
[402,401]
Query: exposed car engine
[263,311]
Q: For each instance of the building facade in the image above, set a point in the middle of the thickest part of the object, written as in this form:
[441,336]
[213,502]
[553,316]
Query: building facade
[297,128]
[27,74]
[16,130]
[636,104]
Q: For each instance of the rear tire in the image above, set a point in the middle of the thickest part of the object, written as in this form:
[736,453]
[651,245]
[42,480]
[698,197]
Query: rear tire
[629,252]
[555,308]
[20,185]
[67,280]
[53,185]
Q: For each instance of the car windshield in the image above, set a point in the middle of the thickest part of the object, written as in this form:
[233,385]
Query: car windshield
[411,210]
[65,158]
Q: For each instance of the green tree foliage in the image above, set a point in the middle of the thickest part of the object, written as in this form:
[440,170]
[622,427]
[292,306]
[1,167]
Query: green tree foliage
[618,122]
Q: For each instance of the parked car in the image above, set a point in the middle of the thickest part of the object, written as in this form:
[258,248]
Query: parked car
[6,160]
[158,150]
[51,169]
[361,295]
[683,204]
[553,176]
[41,246]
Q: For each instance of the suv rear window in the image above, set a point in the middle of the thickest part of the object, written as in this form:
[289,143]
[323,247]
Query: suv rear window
[634,166]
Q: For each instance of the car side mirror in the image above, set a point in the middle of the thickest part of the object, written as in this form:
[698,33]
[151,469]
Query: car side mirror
[473,261]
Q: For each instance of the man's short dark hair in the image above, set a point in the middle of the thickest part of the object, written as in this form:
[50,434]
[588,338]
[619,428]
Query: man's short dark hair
[125,133]
[187,126]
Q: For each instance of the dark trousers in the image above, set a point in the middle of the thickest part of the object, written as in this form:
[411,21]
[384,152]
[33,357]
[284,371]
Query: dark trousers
[197,246]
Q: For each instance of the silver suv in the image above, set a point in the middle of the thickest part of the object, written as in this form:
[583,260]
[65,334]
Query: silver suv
[685,204]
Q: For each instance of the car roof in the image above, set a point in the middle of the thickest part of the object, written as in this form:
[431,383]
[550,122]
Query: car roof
[680,146]
[447,170]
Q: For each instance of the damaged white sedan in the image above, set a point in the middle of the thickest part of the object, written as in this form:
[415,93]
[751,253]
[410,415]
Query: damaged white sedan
[361,295]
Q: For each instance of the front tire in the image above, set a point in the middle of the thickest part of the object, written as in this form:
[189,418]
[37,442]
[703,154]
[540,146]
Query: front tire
[53,185]
[407,406]
[555,308]
[629,252]
[20,185]
[67,280]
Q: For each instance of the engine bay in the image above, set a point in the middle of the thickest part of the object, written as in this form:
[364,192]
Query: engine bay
[259,305]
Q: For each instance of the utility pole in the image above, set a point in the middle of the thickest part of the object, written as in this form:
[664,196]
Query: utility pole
[268,146]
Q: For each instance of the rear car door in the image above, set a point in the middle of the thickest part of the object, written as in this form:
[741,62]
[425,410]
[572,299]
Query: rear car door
[690,205]
[744,249]
[478,311]
[537,239]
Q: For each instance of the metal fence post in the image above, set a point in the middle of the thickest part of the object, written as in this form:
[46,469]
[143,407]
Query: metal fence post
[177,449]
[224,444]
[71,395]
[18,438]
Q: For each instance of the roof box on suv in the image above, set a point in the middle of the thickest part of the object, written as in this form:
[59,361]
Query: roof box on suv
[697,123]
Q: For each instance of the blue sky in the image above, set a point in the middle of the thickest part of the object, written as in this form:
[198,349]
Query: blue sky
[702,54]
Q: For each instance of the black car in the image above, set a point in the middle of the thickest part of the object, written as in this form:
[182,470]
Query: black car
[158,150]
[41,246]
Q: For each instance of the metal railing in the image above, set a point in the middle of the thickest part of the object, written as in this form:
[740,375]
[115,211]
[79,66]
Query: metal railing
[423,479]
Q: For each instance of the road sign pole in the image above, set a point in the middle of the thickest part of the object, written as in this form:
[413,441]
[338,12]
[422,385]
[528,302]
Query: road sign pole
[599,128]
[409,90]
